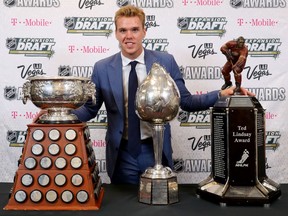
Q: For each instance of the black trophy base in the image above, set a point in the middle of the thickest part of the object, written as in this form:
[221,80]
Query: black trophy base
[158,191]
[263,193]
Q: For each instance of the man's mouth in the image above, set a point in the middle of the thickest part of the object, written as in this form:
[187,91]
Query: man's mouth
[129,44]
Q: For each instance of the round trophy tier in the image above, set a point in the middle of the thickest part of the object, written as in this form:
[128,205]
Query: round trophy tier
[58,116]
[158,172]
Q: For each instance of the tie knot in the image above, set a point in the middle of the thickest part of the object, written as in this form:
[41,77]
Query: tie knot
[133,64]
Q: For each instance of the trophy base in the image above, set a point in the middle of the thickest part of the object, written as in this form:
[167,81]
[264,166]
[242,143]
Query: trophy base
[263,193]
[48,186]
[158,187]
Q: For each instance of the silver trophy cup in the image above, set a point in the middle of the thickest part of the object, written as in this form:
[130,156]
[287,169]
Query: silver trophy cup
[59,96]
[157,102]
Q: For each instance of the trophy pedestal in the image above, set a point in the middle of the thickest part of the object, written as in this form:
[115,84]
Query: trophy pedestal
[263,193]
[238,154]
[57,170]
[158,186]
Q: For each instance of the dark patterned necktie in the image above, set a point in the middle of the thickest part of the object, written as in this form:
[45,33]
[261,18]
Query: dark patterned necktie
[133,120]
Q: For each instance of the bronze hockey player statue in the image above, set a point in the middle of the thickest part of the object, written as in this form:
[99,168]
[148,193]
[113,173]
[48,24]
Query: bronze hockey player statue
[236,53]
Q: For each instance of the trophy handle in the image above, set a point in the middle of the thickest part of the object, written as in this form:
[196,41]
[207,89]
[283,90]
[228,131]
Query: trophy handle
[26,92]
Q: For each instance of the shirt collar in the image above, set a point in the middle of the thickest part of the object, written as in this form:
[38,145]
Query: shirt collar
[126,61]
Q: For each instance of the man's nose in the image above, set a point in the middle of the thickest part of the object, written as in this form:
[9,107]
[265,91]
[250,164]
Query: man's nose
[129,34]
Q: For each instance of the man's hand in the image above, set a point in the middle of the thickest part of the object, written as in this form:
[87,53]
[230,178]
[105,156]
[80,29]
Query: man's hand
[40,113]
[230,91]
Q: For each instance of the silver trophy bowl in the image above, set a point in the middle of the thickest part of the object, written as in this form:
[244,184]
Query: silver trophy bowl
[157,102]
[58,95]
[157,98]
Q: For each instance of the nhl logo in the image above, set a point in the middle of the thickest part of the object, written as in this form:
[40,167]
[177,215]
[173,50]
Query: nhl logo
[182,23]
[10,93]
[178,165]
[69,22]
[64,71]
[11,136]
[10,3]
[11,43]
[122,3]
[183,116]
[236,3]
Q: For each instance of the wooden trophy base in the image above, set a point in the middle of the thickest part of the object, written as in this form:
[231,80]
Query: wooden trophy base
[57,170]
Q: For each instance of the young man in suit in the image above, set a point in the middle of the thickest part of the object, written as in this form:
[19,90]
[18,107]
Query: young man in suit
[111,76]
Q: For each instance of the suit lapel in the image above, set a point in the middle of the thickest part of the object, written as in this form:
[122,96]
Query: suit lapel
[115,77]
[149,60]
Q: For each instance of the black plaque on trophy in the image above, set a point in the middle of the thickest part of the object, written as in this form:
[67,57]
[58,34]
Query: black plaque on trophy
[219,153]
[238,154]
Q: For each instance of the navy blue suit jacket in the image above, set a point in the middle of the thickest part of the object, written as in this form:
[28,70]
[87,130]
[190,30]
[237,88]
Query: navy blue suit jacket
[107,76]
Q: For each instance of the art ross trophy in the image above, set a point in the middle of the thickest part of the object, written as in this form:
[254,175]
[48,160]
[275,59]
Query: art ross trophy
[157,102]
[57,169]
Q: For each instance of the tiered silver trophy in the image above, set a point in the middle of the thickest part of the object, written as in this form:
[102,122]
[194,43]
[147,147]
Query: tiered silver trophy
[58,168]
[157,102]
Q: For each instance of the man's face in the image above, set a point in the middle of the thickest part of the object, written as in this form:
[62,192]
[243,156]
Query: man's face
[130,34]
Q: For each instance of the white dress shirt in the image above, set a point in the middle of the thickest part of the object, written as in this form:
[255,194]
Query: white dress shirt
[145,127]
